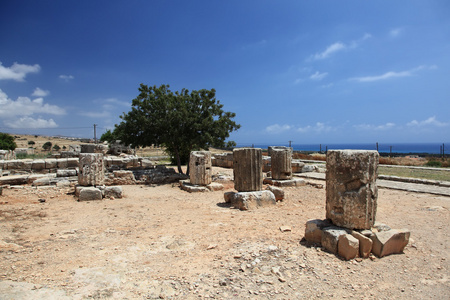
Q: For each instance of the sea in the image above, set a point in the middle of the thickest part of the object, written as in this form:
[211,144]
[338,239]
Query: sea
[404,148]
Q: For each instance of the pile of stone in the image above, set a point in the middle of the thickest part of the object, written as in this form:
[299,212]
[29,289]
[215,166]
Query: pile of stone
[91,179]
[248,179]
[349,229]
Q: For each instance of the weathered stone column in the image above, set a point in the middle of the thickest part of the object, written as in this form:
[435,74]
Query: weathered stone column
[281,158]
[247,169]
[351,188]
[92,169]
[200,170]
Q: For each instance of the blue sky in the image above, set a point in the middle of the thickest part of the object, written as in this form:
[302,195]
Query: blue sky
[306,71]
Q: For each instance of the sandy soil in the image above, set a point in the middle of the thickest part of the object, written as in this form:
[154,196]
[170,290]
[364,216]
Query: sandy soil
[162,242]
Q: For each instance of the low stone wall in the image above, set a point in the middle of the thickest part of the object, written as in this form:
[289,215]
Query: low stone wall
[50,165]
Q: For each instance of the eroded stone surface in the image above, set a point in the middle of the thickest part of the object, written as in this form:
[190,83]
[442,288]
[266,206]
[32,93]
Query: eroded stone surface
[351,188]
[250,200]
[200,168]
[91,169]
[281,158]
[247,169]
[390,242]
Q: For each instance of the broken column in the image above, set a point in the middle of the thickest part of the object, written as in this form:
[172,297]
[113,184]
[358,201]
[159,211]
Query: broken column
[200,170]
[281,158]
[92,169]
[248,177]
[247,169]
[351,189]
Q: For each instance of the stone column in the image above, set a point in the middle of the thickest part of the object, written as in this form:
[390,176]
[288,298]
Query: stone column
[92,169]
[351,188]
[247,169]
[281,158]
[200,170]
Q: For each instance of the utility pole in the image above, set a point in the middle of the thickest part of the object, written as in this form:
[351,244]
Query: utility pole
[290,144]
[95,133]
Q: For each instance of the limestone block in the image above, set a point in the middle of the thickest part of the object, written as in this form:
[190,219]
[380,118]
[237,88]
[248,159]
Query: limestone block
[390,242]
[50,163]
[297,166]
[72,162]
[313,230]
[330,238]
[247,169]
[192,188]
[66,172]
[214,186]
[267,164]
[200,167]
[351,189]
[61,163]
[250,200]
[279,193]
[91,169]
[381,227]
[90,193]
[113,191]
[38,165]
[348,246]
[365,244]
[281,158]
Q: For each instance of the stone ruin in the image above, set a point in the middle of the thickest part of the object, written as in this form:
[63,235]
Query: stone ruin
[91,179]
[281,168]
[248,179]
[349,229]
[200,174]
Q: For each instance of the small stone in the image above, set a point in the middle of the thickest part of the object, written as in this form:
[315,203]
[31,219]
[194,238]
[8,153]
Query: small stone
[285,228]
[348,246]
[390,242]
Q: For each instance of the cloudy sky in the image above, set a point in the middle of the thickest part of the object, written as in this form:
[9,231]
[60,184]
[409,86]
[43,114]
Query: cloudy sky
[306,71]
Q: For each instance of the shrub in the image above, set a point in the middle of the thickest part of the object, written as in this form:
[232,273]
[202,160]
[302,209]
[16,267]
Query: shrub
[433,163]
[7,142]
[47,146]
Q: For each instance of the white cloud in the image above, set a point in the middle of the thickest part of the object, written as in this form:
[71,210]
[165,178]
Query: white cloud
[97,115]
[318,127]
[392,74]
[431,121]
[66,77]
[386,126]
[339,46]
[40,92]
[330,50]
[17,72]
[276,128]
[24,106]
[28,122]
[318,76]
[395,32]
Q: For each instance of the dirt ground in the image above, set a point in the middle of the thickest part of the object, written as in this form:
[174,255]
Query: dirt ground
[162,242]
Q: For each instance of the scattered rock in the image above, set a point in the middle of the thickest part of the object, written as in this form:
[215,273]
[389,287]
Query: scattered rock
[348,246]
[390,242]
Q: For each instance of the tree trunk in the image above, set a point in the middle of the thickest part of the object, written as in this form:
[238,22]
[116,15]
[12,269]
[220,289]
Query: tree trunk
[177,156]
[188,164]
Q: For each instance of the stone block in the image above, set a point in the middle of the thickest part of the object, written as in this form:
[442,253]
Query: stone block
[214,186]
[113,191]
[250,200]
[61,163]
[313,230]
[281,158]
[91,169]
[279,193]
[90,193]
[186,185]
[351,189]
[297,166]
[38,165]
[66,172]
[247,169]
[330,238]
[390,242]
[51,163]
[348,246]
[365,244]
[72,162]
[200,167]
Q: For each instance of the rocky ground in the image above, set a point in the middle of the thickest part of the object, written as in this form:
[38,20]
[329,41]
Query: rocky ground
[162,242]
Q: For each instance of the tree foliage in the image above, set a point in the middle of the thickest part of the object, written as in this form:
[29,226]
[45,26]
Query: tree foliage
[108,136]
[181,122]
[47,146]
[7,142]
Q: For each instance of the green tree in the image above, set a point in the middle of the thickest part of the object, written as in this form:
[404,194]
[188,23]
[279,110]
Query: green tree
[108,136]
[181,122]
[31,143]
[47,146]
[56,147]
[7,142]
